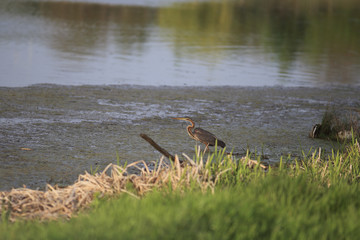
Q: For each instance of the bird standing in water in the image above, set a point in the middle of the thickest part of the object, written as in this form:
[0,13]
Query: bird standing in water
[201,135]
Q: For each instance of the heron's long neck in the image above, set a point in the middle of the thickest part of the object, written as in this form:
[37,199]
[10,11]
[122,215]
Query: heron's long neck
[190,128]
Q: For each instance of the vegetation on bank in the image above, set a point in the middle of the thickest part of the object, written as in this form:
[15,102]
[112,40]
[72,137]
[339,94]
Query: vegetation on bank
[339,125]
[220,198]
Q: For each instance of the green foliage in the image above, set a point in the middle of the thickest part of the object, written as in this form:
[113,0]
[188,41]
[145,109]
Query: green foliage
[279,207]
[94,171]
[316,197]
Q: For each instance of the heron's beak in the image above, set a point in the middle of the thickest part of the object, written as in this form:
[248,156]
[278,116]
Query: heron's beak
[179,118]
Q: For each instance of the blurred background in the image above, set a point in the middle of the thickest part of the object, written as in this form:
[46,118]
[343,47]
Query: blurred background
[177,43]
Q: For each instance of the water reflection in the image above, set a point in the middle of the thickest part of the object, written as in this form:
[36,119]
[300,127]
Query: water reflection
[321,35]
[88,29]
[193,43]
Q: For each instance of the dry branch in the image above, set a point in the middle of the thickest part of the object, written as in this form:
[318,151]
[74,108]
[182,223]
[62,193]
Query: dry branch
[157,147]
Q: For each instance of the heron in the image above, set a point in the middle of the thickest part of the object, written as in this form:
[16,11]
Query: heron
[201,135]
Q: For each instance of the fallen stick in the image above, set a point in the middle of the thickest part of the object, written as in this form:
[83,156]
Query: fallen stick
[157,147]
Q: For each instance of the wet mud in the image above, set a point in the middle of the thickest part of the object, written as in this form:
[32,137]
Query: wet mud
[51,134]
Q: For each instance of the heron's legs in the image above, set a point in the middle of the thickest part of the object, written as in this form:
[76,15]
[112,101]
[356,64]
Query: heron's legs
[206,148]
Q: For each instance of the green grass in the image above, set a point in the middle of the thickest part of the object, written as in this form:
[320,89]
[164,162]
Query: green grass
[317,197]
[279,207]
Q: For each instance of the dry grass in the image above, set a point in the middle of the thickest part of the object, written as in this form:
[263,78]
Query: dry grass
[200,175]
[57,202]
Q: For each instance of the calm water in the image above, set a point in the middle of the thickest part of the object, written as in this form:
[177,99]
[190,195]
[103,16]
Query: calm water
[256,73]
[201,43]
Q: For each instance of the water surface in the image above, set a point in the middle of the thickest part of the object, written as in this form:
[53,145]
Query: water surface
[196,43]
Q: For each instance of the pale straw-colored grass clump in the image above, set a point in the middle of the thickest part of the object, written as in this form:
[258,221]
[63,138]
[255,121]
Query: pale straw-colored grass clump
[57,202]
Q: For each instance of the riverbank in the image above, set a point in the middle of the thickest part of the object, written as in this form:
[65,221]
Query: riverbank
[315,197]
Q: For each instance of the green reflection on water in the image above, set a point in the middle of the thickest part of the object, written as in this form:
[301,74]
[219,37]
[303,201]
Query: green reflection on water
[322,31]
[322,34]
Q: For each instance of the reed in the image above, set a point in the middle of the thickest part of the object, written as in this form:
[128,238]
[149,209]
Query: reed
[203,173]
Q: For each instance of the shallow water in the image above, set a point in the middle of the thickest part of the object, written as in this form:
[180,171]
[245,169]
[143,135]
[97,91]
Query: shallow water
[70,129]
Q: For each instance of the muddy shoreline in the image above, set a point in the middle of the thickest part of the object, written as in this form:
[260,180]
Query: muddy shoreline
[52,133]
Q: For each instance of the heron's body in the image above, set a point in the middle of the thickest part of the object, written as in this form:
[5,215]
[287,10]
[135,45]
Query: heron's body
[202,135]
